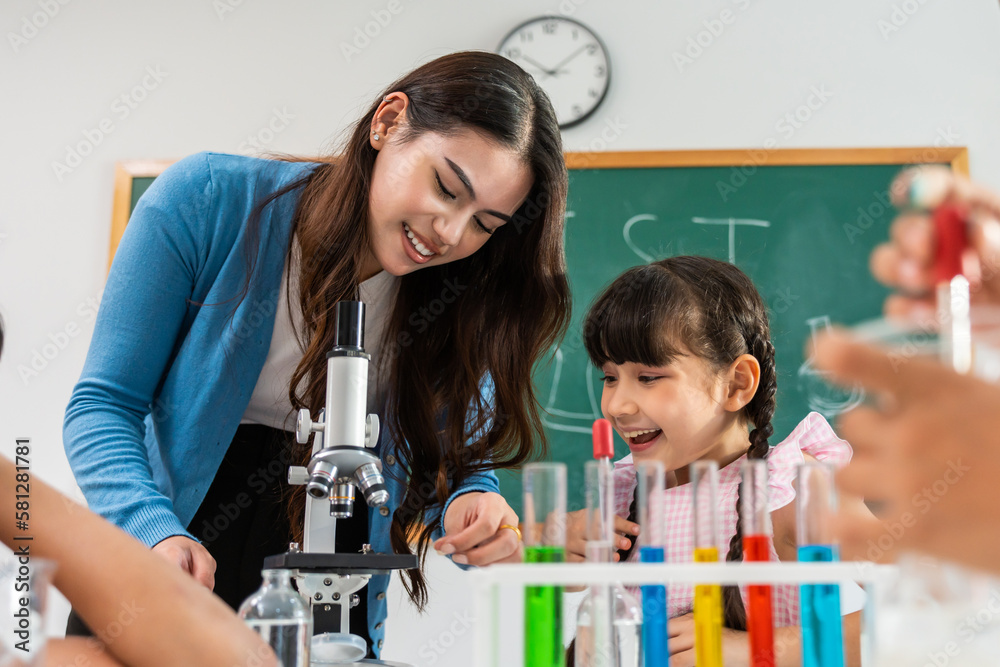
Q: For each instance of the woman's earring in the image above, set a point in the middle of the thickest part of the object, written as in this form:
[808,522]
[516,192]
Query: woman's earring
[375,136]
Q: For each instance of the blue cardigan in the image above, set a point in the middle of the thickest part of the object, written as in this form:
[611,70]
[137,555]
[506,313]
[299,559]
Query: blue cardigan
[166,380]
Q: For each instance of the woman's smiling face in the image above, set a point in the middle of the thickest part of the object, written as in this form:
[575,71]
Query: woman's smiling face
[437,198]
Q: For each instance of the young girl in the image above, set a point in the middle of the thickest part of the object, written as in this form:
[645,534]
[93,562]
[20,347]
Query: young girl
[444,213]
[685,348]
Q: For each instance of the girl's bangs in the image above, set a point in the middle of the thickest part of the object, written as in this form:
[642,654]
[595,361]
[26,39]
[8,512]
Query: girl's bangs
[642,317]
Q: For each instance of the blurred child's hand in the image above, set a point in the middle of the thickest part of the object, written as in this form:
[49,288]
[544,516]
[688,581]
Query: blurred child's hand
[576,535]
[680,630]
[930,451]
[905,262]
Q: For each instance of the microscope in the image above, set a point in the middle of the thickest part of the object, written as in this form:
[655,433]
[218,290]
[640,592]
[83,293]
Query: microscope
[342,460]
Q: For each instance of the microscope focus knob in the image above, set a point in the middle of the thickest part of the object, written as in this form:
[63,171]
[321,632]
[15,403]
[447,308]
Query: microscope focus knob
[371,431]
[303,427]
[298,475]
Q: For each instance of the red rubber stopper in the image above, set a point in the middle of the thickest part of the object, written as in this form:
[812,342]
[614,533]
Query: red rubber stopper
[950,241]
[604,447]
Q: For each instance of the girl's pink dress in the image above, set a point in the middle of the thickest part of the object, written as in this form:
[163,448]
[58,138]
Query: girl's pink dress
[813,436]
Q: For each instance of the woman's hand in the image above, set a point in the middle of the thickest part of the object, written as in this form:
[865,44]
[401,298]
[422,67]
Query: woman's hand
[472,532]
[680,631]
[905,262]
[190,556]
[576,535]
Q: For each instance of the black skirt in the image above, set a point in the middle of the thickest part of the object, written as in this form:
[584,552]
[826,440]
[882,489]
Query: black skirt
[243,519]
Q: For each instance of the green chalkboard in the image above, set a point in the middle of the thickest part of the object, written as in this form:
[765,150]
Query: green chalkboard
[802,232]
[139,186]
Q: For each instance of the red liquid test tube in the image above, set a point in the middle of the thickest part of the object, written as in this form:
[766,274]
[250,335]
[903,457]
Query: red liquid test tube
[756,547]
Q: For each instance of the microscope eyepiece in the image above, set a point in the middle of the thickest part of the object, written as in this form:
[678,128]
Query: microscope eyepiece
[342,501]
[350,324]
[321,480]
[372,485]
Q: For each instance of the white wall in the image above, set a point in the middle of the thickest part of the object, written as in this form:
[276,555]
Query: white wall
[226,67]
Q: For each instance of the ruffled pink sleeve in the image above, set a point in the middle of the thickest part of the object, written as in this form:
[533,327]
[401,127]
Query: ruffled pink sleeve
[815,437]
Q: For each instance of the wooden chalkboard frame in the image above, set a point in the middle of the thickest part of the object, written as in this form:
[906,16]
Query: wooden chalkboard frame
[956,156]
[126,172]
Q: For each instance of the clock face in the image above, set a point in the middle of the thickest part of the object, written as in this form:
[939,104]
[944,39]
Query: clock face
[567,60]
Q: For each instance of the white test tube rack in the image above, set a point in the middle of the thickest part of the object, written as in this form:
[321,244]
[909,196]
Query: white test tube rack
[489,580]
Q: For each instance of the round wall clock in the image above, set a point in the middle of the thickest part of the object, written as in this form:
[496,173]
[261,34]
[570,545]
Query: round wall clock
[568,61]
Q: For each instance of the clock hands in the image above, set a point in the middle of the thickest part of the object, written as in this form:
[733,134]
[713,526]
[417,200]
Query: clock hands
[539,65]
[558,68]
[569,58]
[535,63]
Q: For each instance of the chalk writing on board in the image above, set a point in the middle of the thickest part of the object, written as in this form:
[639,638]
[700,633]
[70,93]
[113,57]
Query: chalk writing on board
[822,396]
[733,223]
[566,420]
[627,233]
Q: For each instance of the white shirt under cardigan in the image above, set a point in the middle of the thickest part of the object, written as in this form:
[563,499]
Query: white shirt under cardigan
[269,403]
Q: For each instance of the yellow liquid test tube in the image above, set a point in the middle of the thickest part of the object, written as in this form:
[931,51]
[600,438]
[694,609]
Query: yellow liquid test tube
[707,597]
[707,615]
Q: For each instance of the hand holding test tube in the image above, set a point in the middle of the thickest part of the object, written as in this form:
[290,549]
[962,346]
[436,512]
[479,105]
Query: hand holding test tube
[906,262]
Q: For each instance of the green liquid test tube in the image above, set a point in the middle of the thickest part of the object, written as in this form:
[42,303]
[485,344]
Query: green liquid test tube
[544,542]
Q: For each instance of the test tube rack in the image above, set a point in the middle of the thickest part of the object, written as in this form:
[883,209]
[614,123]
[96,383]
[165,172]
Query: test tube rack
[490,582]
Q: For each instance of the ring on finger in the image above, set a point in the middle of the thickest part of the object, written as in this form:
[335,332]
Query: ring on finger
[517,531]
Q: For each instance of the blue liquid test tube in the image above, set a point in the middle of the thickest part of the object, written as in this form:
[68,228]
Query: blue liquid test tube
[650,479]
[822,634]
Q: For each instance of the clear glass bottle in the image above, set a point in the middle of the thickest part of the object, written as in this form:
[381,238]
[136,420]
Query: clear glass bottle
[282,617]
[609,620]
[625,648]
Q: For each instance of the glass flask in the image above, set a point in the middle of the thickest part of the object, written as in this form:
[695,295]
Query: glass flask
[282,617]
[625,648]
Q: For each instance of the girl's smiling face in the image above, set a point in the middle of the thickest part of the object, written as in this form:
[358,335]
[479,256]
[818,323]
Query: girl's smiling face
[675,414]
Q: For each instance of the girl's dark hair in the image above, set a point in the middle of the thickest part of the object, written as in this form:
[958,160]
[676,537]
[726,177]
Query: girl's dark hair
[511,299]
[690,305]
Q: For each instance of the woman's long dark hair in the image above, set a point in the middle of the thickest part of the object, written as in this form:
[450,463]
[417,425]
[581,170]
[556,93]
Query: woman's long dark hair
[511,298]
[654,313]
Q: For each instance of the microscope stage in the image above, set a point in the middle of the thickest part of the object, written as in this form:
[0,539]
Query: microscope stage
[358,563]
